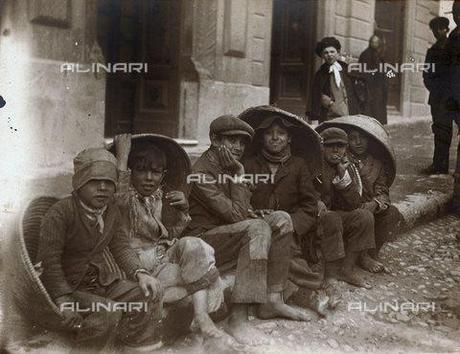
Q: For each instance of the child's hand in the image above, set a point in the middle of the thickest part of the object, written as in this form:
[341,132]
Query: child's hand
[177,200]
[150,286]
[72,319]
[342,167]
[229,162]
[322,208]
[326,101]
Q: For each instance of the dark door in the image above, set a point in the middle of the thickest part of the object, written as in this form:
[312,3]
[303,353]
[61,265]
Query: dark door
[389,17]
[141,31]
[292,57]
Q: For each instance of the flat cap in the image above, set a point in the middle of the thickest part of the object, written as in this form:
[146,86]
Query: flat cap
[334,136]
[231,125]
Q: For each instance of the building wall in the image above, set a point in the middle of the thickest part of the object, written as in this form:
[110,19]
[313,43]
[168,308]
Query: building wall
[352,22]
[230,56]
[224,68]
[49,115]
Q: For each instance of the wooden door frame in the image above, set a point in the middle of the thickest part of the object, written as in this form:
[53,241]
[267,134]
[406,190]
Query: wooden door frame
[315,5]
[109,123]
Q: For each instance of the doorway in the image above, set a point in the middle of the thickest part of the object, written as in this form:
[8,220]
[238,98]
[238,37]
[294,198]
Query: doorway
[389,20]
[141,31]
[292,56]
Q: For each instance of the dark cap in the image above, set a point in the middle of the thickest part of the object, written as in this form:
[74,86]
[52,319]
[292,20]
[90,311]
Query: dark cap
[334,136]
[230,125]
[325,43]
[439,23]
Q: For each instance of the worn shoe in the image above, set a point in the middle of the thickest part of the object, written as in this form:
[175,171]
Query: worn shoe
[431,170]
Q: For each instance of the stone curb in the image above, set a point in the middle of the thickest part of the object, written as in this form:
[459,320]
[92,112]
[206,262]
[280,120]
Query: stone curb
[421,208]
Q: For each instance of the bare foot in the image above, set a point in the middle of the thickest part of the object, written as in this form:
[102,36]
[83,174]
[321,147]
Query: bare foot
[370,264]
[244,333]
[216,340]
[223,344]
[335,298]
[280,309]
[353,278]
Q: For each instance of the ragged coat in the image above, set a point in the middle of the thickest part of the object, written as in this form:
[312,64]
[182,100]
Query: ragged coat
[292,191]
[346,199]
[374,178]
[215,204]
[70,243]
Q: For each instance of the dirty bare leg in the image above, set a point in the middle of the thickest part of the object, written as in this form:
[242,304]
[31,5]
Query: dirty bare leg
[240,328]
[275,307]
[349,274]
[208,329]
[369,264]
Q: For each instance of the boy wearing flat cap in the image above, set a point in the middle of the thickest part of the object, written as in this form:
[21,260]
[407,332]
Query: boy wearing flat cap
[258,246]
[333,91]
[87,260]
[346,229]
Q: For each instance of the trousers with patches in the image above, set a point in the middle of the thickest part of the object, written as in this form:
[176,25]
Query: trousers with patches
[260,249]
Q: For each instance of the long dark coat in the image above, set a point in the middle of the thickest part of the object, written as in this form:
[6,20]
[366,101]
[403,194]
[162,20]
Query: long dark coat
[321,86]
[377,86]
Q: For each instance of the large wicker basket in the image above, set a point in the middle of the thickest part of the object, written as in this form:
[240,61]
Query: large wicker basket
[27,291]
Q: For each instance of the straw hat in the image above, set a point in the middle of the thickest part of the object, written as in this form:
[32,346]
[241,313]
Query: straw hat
[305,141]
[373,129]
[177,160]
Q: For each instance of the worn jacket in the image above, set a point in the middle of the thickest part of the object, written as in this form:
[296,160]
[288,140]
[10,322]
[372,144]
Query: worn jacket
[215,203]
[374,179]
[171,222]
[453,52]
[321,86]
[70,243]
[292,191]
[336,196]
[436,80]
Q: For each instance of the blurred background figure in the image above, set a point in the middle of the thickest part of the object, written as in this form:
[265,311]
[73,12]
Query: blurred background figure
[435,82]
[376,82]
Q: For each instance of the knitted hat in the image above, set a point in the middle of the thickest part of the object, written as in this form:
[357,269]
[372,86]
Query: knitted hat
[94,163]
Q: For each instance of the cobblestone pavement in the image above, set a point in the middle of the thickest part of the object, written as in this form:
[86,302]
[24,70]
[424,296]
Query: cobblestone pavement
[416,307]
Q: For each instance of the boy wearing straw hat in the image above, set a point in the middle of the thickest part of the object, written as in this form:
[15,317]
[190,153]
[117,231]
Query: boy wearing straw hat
[289,149]
[86,259]
[155,212]
[257,245]
[339,211]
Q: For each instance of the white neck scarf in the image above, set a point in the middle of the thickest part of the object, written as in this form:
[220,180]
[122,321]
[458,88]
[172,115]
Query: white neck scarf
[336,68]
[95,215]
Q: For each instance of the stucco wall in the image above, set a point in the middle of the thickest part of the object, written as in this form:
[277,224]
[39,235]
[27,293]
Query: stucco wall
[49,116]
[231,56]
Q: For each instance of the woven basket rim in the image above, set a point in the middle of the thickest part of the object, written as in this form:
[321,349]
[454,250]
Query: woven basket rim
[26,258]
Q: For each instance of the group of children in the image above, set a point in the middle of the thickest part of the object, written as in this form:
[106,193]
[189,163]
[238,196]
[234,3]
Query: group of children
[133,230]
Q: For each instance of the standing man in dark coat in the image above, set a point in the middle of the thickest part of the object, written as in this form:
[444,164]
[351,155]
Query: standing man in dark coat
[258,247]
[435,80]
[376,82]
[333,91]
[453,100]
